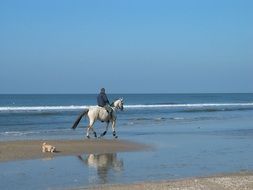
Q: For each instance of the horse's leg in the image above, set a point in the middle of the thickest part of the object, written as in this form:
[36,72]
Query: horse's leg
[90,126]
[106,128]
[113,129]
[94,132]
[87,132]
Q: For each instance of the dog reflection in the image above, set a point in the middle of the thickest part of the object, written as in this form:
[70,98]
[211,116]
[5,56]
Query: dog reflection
[103,163]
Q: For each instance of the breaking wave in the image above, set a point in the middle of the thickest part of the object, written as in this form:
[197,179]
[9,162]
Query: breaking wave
[192,107]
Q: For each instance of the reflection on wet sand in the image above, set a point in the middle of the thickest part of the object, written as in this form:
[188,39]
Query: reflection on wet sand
[103,164]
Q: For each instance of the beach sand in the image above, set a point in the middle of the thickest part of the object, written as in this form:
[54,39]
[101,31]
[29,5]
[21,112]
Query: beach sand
[31,149]
[237,181]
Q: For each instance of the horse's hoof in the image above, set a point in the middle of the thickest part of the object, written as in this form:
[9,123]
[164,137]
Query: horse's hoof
[114,134]
[95,134]
[88,136]
[103,134]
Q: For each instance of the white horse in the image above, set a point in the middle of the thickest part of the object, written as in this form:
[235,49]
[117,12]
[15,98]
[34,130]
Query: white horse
[95,113]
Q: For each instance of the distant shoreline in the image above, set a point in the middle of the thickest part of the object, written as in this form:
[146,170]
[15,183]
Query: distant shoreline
[31,149]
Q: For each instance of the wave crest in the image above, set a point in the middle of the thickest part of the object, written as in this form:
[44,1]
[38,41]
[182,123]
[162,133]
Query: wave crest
[205,106]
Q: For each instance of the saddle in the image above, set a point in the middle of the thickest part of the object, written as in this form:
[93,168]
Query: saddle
[108,109]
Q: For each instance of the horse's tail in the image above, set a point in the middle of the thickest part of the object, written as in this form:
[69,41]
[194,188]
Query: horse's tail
[79,118]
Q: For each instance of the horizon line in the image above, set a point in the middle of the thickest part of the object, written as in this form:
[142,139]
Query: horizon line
[89,93]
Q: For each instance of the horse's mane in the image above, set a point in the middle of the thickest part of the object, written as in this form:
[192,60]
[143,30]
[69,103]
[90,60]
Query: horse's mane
[112,104]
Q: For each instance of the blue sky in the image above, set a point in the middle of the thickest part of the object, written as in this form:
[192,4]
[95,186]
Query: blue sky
[134,46]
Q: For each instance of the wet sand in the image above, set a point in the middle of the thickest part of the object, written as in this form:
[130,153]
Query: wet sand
[31,149]
[238,181]
[23,150]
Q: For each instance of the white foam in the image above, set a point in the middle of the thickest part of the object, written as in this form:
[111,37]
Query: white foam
[42,108]
[138,106]
[189,105]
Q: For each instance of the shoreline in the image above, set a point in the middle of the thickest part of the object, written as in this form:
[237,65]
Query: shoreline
[232,181]
[32,149]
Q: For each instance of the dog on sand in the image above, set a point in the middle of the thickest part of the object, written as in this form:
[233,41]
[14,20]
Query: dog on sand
[48,148]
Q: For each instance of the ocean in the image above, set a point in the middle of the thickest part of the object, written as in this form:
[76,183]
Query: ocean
[191,135]
[51,116]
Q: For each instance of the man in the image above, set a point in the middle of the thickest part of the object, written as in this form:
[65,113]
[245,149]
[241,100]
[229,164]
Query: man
[103,101]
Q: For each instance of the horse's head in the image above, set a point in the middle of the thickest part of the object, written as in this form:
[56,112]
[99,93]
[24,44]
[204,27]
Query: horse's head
[118,104]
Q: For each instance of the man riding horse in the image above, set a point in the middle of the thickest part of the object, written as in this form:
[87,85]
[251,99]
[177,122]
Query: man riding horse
[103,101]
[103,112]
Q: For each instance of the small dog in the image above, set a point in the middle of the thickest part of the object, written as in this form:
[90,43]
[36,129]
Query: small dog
[47,148]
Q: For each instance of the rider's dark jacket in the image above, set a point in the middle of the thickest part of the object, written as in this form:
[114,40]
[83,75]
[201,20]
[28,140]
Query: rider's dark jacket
[102,99]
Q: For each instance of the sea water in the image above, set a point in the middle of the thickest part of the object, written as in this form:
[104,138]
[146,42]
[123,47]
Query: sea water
[191,135]
[51,116]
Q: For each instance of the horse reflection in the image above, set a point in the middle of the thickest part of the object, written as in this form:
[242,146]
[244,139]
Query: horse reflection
[103,163]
